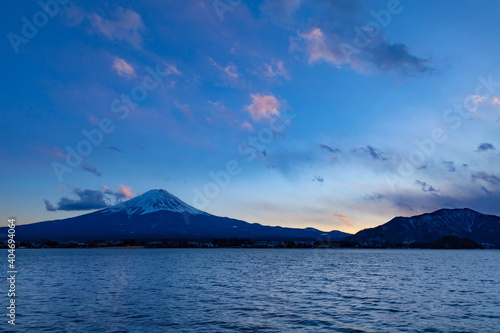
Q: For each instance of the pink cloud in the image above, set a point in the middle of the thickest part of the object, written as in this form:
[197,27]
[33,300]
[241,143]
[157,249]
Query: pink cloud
[263,106]
[127,191]
[126,26]
[123,68]
[318,49]
[342,217]
[246,125]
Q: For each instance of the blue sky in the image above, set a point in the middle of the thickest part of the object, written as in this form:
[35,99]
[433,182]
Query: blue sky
[301,113]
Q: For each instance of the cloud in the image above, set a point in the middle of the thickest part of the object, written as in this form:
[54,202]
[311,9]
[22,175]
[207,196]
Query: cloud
[426,187]
[124,24]
[126,191]
[114,148]
[318,179]
[106,189]
[280,11]
[318,49]
[185,108]
[374,197]
[246,125]
[342,217]
[397,58]
[91,170]
[485,147]
[48,206]
[450,166]
[374,153]
[127,26]
[342,33]
[263,106]
[475,100]
[171,69]
[329,149]
[230,70]
[275,69]
[87,199]
[123,68]
[489,178]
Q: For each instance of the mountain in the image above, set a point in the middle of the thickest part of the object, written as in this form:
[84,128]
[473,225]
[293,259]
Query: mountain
[157,214]
[427,228]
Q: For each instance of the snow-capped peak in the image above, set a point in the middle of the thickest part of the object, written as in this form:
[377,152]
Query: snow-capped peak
[154,201]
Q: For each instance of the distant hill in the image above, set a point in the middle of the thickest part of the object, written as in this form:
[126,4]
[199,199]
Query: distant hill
[428,228]
[157,214]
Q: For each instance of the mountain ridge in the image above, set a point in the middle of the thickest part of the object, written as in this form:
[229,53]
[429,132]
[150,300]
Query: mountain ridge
[158,214]
[428,227]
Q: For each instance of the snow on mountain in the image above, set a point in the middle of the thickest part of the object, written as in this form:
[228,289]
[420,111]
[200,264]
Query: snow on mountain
[464,223]
[157,214]
[154,201]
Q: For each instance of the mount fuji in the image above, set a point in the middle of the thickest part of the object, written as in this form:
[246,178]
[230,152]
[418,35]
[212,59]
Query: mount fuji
[158,214]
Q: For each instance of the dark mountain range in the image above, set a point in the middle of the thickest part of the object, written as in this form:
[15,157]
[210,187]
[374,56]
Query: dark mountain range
[158,214]
[427,228]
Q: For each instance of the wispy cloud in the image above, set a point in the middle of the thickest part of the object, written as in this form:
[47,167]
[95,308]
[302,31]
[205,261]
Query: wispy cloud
[126,191]
[332,150]
[487,177]
[171,69]
[318,179]
[122,25]
[114,148]
[91,170]
[450,166]
[426,187]
[374,197]
[374,153]
[123,68]
[185,108]
[229,70]
[342,217]
[126,25]
[280,11]
[275,69]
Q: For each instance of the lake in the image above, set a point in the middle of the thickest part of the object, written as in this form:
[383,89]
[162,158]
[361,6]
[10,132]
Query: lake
[255,290]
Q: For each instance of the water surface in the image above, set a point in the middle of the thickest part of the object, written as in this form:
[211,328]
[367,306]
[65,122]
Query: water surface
[257,290]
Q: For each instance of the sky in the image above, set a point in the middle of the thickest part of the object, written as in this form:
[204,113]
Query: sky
[338,115]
